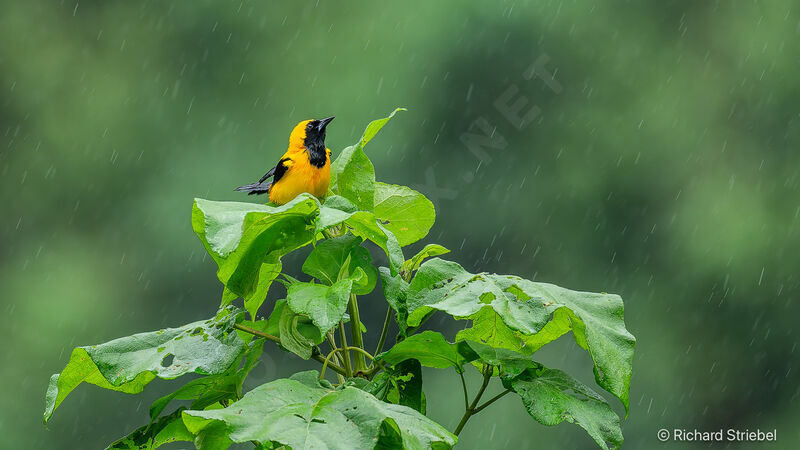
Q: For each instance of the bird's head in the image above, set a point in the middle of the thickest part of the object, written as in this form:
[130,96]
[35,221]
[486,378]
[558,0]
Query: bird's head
[310,135]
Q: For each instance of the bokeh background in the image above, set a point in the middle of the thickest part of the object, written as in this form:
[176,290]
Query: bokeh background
[662,164]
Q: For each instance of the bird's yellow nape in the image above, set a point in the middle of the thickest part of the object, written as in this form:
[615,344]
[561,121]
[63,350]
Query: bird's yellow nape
[298,136]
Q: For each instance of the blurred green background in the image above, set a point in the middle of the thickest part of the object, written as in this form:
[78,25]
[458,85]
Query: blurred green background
[662,165]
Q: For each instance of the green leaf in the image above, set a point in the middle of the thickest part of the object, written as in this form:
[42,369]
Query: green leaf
[352,173]
[324,305]
[165,430]
[365,225]
[300,412]
[334,211]
[353,177]
[326,260]
[269,326]
[128,364]
[375,126]
[521,315]
[429,348]
[266,275]
[508,362]
[395,290]
[297,333]
[242,237]
[400,385]
[428,251]
[215,388]
[552,396]
[403,211]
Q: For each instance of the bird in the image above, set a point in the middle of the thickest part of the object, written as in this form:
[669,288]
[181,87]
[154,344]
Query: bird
[305,167]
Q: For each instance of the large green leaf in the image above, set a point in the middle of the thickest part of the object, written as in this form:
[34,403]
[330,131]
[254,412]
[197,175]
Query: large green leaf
[521,315]
[128,364]
[165,430]
[352,173]
[429,348]
[552,396]
[324,305]
[303,413]
[326,260]
[403,211]
[247,240]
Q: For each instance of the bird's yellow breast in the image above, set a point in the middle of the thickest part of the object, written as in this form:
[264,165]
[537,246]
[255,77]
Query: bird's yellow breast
[301,176]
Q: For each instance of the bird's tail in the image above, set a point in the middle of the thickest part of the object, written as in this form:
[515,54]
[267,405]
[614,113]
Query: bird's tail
[255,188]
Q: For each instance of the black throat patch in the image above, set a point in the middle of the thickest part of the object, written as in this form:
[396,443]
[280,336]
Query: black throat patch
[315,144]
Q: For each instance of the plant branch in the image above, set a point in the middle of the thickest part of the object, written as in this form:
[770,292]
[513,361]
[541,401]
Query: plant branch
[332,343]
[359,363]
[386,322]
[343,336]
[472,408]
[327,361]
[466,393]
[257,333]
[490,401]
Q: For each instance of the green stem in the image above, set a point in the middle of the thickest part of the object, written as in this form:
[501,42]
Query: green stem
[343,337]
[257,333]
[490,401]
[359,364]
[472,408]
[386,322]
[327,360]
[464,387]
[332,343]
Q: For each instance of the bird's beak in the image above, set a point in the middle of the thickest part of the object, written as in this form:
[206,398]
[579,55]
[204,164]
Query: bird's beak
[324,123]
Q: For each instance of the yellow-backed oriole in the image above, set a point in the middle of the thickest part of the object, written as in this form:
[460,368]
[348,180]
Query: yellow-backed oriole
[305,167]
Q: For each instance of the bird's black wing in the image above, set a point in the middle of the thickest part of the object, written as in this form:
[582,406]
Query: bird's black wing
[268,174]
[262,186]
[278,171]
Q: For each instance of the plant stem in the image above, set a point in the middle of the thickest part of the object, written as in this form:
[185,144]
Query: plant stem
[386,322]
[257,333]
[315,352]
[332,343]
[490,401]
[471,409]
[359,364]
[343,337]
[464,387]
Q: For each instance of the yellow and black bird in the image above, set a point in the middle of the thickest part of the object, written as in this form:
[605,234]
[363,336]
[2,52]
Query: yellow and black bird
[305,167]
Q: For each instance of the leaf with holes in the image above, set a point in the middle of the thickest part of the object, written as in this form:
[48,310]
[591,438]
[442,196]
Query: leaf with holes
[214,388]
[128,364]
